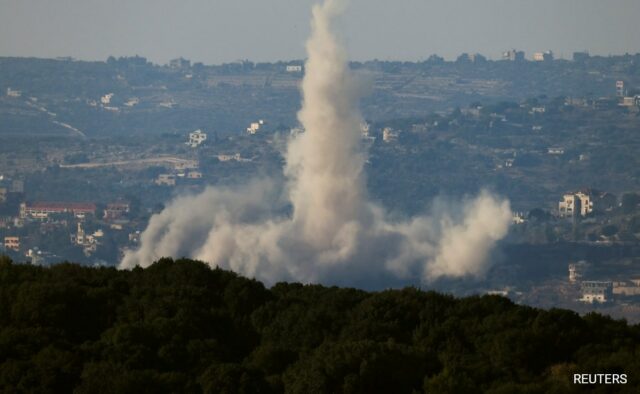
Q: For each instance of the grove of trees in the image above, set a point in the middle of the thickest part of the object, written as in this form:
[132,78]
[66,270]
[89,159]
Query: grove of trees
[182,327]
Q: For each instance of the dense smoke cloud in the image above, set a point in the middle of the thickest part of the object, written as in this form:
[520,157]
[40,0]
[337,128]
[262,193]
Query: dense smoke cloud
[332,233]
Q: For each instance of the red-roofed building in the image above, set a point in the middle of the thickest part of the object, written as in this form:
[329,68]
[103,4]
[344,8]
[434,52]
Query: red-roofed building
[42,210]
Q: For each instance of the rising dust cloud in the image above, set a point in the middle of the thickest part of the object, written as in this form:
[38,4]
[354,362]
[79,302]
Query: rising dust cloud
[333,233]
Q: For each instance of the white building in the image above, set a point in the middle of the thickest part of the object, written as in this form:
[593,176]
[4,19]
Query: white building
[574,204]
[106,99]
[518,218]
[12,243]
[577,271]
[224,157]
[196,138]
[555,151]
[388,135]
[255,126]
[542,56]
[89,242]
[364,129]
[513,55]
[296,68]
[132,102]
[596,291]
[13,93]
[627,288]
[621,91]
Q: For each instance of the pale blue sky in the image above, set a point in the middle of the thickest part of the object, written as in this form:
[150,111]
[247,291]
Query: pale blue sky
[215,31]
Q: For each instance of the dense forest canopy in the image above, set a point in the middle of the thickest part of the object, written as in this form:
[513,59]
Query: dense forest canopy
[182,327]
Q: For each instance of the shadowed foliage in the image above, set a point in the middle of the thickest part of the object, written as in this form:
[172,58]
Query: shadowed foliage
[182,327]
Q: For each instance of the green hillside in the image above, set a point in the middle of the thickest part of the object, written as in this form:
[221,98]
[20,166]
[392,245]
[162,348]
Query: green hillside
[182,327]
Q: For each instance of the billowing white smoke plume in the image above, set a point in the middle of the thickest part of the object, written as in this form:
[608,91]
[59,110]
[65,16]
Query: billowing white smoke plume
[333,233]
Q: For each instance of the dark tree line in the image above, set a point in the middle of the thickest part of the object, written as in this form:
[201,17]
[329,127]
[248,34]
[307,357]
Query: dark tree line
[182,327]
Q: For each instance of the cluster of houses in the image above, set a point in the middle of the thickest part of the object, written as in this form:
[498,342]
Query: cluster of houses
[584,202]
[600,291]
[49,215]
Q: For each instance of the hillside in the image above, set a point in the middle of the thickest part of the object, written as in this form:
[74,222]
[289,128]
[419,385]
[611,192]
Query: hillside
[179,326]
[141,98]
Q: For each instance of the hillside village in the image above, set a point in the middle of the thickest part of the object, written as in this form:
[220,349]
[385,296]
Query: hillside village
[90,151]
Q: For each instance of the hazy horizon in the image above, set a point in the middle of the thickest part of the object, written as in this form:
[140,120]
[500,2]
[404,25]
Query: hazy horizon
[227,31]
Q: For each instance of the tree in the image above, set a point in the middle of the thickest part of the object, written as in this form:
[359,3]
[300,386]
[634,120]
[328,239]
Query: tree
[181,326]
[629,202]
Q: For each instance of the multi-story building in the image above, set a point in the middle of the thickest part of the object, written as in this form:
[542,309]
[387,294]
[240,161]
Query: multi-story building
[180,63]
[88,242]
[627,288]
[115,211]
[17,186]
[577,271]
[513,55]
[555,150]
[543,56]
[183,165]
[196,138]
[596,291]
[621,91]
[628,101]
[388,135]
[166,180]
[224,157]
[255,126]
[575,204]
[13,93]
[42,210]
[294,68]
[580,56]
[12,243]
[106,99]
